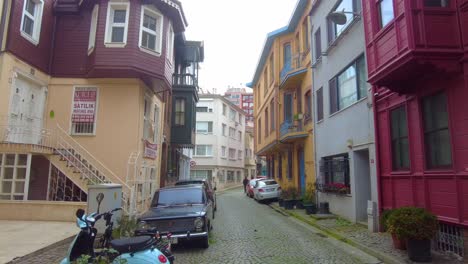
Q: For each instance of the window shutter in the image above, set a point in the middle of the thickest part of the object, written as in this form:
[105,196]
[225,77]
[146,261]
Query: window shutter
[333,96]
[320,104]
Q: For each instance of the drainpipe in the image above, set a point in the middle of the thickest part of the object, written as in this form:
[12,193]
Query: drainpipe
[376,147]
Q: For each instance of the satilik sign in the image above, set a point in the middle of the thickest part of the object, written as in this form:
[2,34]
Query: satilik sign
[84,104]
[151,150]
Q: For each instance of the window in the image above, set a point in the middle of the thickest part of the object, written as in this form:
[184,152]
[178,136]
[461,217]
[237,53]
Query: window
[147,126]
[259,134]
[437,3]
[202,109]
[117,24]
[266,122]
[84,111]
[156,124]
[334,171]
[151,25]
[179,112]
[318,44]
[203,150]
[287,56]
[223,151]
[272,115]
[224,129]
[400,145]
[271,69]
[232,132]
[349,86]
[239,154]
[265,80]
[230,176]
[436,131]
[335,30]
[305,35]
[92,30]
[232,114]
[204,127]
[14,179]
[170,44]
[201,174]
[386,13]
[319,104]
[240,136]
[224,109]
[31,20]
[232,153]
[308,110]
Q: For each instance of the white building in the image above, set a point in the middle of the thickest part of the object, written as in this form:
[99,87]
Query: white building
[220,142]
[250,158]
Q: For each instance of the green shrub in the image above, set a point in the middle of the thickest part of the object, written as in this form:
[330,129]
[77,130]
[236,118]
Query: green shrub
[309,196]
[384,218]
[126,226]
[412,223]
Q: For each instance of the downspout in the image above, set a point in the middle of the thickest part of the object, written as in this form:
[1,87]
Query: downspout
[377,163]
[52,53]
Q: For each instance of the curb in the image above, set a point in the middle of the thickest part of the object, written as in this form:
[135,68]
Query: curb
[336,235]
[228,189]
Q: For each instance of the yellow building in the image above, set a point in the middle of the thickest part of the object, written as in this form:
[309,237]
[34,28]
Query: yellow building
[282,88]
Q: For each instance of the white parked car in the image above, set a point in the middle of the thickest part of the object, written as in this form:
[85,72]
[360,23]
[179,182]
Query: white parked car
[266,190]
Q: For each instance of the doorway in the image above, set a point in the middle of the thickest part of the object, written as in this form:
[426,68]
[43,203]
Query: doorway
[26,112]
[362,183]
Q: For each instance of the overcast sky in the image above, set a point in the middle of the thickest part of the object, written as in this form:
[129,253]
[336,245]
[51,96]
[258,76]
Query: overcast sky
[234,32]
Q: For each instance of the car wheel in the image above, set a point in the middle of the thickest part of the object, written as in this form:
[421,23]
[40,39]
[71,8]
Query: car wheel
[205,243]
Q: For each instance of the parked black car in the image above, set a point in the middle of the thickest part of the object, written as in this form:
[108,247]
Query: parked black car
[184,211]
[209,189]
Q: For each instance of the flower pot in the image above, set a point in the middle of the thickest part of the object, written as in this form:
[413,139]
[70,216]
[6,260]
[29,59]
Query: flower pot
[281,202]
[398,243]
[299,205]
[419,250]
[289,204]
[310,208]
[324,208]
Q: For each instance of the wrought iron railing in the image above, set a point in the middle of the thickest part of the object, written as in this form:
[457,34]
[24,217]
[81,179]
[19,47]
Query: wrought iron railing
[184,79]
[290,126]
[292,65]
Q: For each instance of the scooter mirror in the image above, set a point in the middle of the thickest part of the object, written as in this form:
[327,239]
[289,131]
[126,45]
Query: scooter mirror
[79,213]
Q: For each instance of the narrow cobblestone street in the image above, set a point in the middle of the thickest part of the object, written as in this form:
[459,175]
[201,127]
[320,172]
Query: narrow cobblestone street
[248,232]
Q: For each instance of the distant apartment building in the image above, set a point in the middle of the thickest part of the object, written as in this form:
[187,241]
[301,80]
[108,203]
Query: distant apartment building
[250,170]
[219,152]
[244,100]
[89,91]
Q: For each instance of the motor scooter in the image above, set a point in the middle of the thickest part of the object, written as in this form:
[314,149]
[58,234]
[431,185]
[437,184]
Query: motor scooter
[133,250]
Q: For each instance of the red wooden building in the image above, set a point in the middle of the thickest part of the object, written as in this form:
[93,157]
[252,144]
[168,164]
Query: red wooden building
[417,54]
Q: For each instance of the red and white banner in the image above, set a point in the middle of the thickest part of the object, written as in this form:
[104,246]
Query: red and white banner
[84,104]
[151,150]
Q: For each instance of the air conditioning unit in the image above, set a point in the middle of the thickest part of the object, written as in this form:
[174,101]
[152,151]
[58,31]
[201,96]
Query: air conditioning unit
[210,110]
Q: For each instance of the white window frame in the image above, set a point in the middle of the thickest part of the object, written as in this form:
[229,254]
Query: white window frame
[147,122]
[14,180]
[156,118]
[207,127]
[223,151]
[109,24]
[233,151]
[93,29]
[147,9]
[239,154]
[170,44]
[224,131]
[208,151]
[37,20]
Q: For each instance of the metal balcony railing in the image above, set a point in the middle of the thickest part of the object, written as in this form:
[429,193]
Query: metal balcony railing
[290,126]
[184,79]
[292,65]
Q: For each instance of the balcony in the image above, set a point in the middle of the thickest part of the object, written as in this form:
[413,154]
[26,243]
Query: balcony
[184,80]
[292,130]
[293,71]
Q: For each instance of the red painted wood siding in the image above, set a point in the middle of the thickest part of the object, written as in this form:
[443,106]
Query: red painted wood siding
[415,28]
[38,56]
[444,192]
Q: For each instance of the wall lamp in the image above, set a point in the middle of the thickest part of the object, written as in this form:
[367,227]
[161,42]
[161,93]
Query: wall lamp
[340,18]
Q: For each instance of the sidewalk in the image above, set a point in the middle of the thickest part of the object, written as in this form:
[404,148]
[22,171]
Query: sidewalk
[379,245]
[21,238]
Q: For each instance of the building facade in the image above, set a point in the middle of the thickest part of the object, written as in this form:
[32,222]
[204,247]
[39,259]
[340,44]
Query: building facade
[219,153]
[344,138]
[250,164]
[244,100]
[420,86]
[282,86]
[85,97]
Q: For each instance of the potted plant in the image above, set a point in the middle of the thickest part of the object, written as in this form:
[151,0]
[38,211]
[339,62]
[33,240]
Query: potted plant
[384,218]
[290,198]
[283,195]
[309,200]
[418,227]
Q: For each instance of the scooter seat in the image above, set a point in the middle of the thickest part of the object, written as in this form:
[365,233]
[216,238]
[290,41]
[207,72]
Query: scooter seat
[132,244]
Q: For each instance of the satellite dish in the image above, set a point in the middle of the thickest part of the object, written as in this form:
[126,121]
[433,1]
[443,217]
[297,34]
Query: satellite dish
[338,18]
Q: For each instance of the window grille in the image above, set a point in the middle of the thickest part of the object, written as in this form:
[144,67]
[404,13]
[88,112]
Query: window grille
[449,238]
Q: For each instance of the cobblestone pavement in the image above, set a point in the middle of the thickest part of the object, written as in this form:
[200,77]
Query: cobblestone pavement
[246,232]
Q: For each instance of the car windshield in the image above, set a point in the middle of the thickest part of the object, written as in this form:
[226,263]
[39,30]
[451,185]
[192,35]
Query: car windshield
[270,182]
[189,182]
[178,197]
[252,182]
